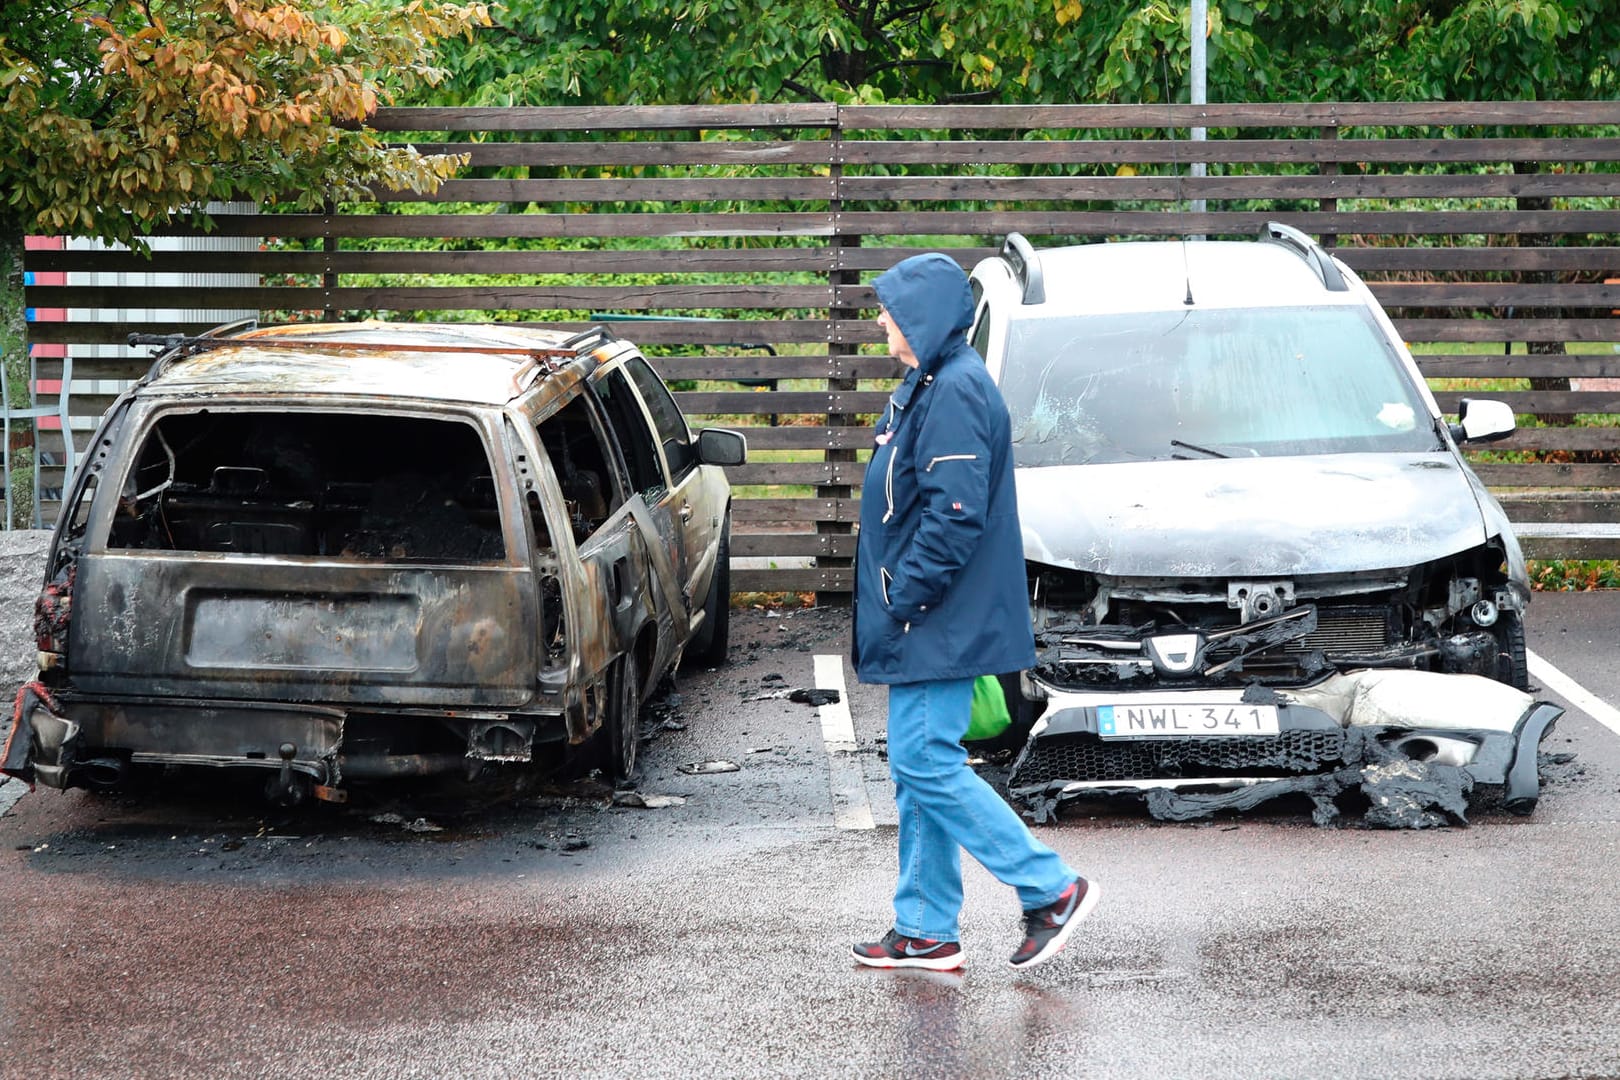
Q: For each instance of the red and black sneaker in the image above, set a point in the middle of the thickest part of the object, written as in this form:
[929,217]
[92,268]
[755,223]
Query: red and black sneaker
[1047,929]
[898,951]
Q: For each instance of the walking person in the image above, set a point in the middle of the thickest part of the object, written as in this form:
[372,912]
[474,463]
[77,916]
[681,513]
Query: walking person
[940,598]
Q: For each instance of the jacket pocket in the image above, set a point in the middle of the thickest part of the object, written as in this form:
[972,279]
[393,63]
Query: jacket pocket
[884,577]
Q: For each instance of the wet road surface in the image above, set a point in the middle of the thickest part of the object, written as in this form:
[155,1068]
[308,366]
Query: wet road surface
[552,933]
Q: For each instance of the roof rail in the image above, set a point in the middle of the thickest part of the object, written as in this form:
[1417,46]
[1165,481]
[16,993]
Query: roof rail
[1026,267]
[594,333]
[175,346]
[1313,253]
[541,359]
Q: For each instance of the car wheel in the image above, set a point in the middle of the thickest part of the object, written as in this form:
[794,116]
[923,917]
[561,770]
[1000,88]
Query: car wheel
[621,728]
[1511,665]
[713,640]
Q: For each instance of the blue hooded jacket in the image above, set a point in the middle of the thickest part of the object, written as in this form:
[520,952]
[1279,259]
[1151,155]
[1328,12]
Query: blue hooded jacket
[940,590]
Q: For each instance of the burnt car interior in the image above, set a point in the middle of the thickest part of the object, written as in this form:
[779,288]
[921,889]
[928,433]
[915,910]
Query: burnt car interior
[343,485]
[588,482]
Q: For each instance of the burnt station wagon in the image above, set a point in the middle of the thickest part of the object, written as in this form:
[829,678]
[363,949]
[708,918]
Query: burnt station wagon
[336,553]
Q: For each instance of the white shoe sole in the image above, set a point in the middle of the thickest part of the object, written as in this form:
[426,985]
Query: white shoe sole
[943,963]
[1087,903]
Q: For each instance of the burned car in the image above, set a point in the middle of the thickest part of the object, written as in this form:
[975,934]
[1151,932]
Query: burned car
[346,552]
[1258,562]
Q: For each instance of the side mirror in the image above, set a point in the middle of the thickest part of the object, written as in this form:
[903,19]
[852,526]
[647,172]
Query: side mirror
[720,446]
[1482,421]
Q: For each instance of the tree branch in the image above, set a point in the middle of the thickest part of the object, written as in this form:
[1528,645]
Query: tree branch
[801,89]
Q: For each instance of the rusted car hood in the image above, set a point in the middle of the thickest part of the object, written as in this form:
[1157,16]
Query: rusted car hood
[1249,516]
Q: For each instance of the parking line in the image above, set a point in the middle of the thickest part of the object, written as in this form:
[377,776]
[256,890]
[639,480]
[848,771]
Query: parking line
[851,808]
[1573,692]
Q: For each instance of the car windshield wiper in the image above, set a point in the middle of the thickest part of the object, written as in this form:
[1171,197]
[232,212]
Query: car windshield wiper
[1200,449]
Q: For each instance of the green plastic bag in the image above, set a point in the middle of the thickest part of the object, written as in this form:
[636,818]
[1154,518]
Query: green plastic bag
[989,716]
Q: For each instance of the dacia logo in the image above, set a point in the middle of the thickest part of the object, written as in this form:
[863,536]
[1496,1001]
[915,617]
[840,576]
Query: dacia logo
[1175,654]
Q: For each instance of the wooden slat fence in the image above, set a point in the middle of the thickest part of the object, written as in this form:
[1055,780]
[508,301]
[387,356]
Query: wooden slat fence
[736,243]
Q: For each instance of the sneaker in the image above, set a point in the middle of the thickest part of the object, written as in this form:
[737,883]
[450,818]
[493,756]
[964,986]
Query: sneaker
[898,951]
[1047,929]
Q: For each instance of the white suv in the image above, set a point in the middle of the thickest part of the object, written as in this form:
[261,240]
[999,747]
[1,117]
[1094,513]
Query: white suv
[1258,562]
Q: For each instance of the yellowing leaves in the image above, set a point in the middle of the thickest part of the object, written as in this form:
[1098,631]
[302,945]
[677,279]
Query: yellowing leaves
[1066,11]
[250,99]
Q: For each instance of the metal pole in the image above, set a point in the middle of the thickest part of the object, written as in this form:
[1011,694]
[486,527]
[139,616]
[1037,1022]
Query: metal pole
[5,455]
[1198,24]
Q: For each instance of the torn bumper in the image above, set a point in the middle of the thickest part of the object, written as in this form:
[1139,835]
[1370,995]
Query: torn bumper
[1415,744]
[65,741]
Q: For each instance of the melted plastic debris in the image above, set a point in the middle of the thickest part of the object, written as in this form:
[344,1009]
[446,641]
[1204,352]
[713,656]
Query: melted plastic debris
[646,801]
[1400,793]
[418,825]
[1406,794]
[704,768]
[803,695]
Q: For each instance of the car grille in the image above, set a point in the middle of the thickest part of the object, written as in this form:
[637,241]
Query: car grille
[1084,756]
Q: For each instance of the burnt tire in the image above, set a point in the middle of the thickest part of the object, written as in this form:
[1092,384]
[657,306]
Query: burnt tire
[708,648]
[620,736]
[1512,665]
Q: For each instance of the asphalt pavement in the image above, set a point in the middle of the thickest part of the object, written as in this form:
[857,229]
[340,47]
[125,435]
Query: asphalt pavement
[551,932]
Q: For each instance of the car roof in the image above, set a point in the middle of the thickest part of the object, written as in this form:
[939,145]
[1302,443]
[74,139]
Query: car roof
[475,363]
[1157,275]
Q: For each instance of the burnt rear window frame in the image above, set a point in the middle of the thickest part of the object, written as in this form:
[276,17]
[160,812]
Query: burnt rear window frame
[477,494]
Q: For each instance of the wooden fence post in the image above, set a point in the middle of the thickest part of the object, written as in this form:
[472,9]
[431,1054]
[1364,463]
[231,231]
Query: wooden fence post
[838,346]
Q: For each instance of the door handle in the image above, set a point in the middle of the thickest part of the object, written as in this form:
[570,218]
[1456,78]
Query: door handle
[686,511]
[617,581]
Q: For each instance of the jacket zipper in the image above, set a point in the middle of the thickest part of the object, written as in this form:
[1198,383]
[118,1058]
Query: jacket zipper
[888,486]
[888,473]
[950,457]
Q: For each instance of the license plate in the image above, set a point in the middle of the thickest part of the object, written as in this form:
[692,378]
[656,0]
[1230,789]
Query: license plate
[1150,721]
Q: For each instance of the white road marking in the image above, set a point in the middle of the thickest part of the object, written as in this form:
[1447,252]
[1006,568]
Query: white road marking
[1573,692]
[851,809]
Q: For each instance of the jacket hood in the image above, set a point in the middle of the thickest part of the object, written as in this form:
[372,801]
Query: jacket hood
[1249,517]
[930,301]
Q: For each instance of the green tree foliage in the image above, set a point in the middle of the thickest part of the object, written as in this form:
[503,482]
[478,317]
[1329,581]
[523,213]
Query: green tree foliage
[611,52]
[616,52]
[117,116]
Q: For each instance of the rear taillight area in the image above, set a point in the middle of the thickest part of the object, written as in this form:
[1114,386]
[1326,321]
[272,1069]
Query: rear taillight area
[52,612]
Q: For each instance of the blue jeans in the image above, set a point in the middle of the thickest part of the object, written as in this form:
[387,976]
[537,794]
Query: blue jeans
[946,807]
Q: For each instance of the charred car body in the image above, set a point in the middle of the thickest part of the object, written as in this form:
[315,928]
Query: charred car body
[1258,562]
[367,550]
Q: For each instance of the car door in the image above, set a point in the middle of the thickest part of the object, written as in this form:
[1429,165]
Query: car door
[697,501]
[652,501]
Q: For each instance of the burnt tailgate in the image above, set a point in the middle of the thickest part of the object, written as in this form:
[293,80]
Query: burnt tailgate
[303,630]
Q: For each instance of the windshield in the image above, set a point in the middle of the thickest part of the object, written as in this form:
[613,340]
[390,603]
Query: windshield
[1228,382]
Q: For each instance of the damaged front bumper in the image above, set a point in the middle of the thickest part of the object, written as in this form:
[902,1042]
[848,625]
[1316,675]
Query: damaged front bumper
[1414,743]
